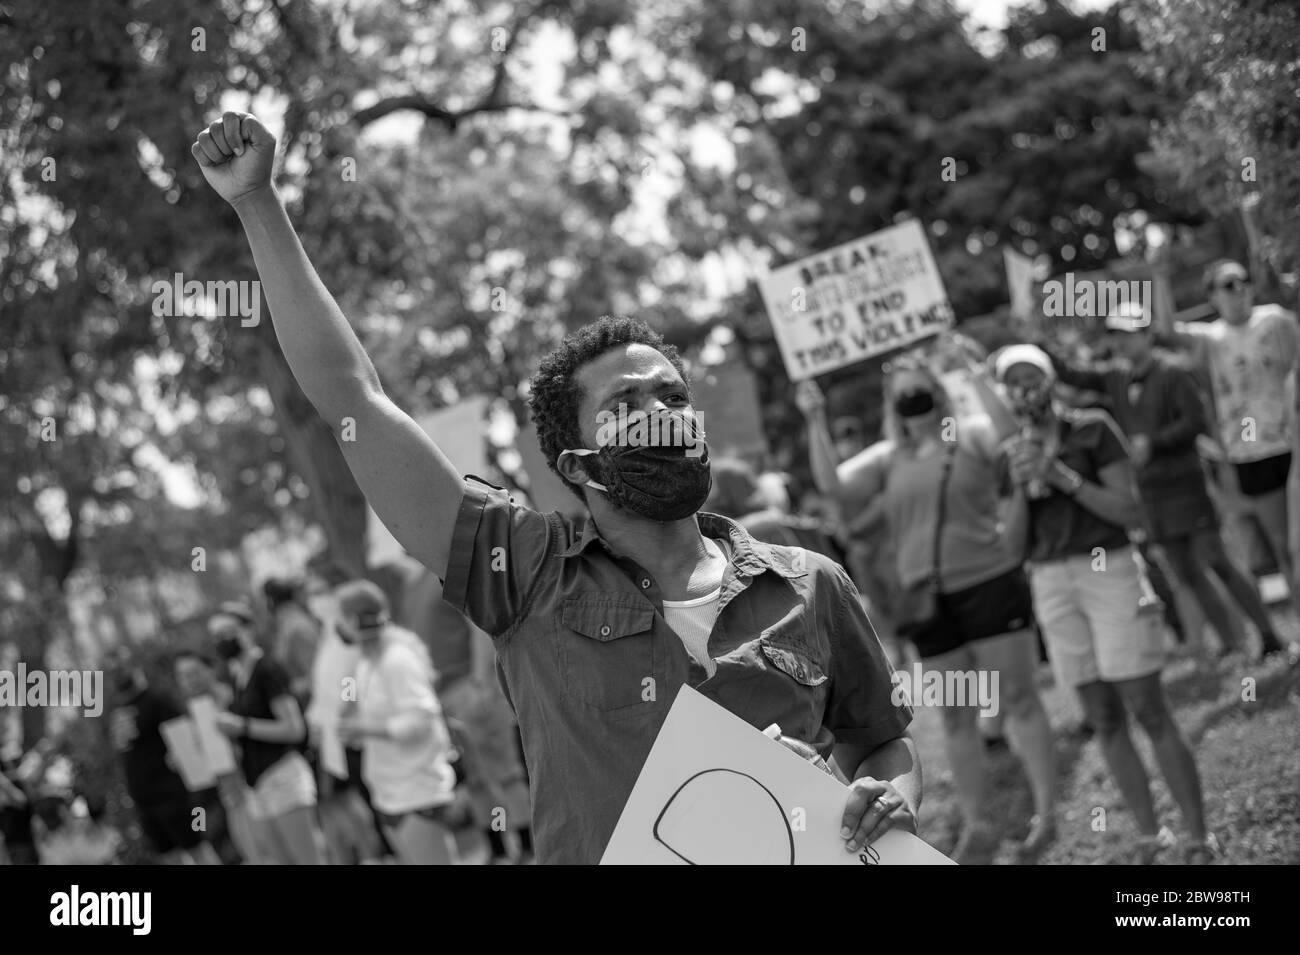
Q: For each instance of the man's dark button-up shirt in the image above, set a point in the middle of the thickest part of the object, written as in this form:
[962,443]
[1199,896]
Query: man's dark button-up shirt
[591,667]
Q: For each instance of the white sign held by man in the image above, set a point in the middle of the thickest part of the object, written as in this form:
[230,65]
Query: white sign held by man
[716,791]
[866,297]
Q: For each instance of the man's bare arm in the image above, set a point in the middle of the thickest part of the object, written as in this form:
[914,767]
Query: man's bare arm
[406,478]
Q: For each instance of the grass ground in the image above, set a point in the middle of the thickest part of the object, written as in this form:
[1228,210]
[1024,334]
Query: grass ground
[1248,753]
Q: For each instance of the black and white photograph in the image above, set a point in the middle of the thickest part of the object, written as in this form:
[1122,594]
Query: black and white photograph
[650,432]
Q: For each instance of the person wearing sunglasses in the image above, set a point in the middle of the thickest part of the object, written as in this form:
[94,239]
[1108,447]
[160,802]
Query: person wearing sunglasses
[1091,596]
[1251,352]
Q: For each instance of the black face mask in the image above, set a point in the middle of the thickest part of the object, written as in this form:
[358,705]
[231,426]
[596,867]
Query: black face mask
[913,404]
[661,483]
[229,648]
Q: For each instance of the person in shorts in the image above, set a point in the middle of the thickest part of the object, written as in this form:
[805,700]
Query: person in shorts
[1251,353]
[1159,407]
[267,723]
[1073,470]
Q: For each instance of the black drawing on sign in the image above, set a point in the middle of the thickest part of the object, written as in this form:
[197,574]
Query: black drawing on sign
[715,817]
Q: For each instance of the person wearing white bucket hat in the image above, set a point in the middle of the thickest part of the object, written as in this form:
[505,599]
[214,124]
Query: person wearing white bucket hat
[1089,593]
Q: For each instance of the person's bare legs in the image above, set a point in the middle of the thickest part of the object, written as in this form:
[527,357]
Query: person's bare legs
[1270,513]
[1014,657]
[299,837]
[962,742]
[204,854]
[422,841]
[1189,566]
[261,842]
[1105,711]
[965,749]
[1243,589]
[345,821]
[1145,699]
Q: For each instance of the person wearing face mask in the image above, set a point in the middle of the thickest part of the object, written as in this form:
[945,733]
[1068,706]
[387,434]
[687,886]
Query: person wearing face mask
[1072,468]
[581,608]
[937,477]
[267,723]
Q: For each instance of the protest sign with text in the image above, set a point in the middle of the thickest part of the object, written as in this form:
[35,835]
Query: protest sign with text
[866,297]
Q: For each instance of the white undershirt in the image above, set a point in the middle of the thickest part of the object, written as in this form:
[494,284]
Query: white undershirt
[693,620]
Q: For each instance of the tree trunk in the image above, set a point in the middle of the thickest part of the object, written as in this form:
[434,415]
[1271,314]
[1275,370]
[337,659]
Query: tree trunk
[55,562]
[32,640]
[337,501]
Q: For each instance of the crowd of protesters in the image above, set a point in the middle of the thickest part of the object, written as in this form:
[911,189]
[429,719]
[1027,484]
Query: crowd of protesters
[1031,516]
[426,770]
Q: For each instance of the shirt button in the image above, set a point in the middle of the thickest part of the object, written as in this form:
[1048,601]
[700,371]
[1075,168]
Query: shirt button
[645,584]
[604,631]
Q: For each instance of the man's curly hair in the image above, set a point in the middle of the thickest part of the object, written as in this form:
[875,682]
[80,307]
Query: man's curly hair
[555,394]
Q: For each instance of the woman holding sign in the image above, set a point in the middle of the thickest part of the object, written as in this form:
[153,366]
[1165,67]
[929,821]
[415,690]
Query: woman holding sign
[966,603]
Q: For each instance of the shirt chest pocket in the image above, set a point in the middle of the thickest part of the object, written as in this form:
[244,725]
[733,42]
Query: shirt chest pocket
[785,646]
[795,662]
[609,655]
[795,679]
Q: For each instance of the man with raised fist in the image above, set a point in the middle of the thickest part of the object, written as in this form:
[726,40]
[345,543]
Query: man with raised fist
[598,621]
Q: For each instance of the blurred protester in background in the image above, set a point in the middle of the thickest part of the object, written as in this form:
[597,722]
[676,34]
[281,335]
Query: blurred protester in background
[471,697]
[351,827]
[399,725]
[295,634]
[163,805]
[1251,353]
[773,490]
[1073,470]
[939,478]
[265,719]
[1179,609]
[196,676]
[869,555]
[737,494]
[1157,404]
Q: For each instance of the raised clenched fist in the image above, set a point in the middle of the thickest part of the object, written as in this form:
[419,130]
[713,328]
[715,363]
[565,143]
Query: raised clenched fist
[236,154]
[808,398]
